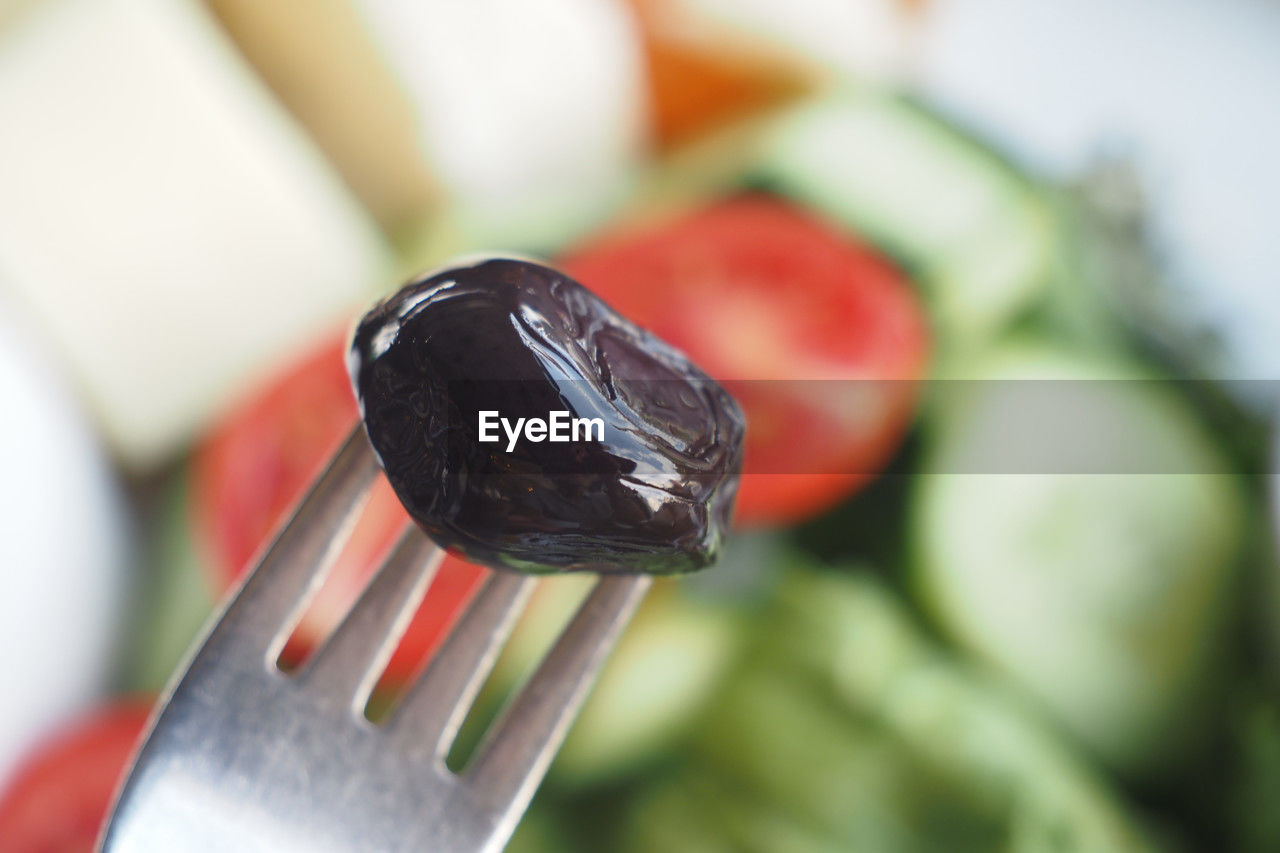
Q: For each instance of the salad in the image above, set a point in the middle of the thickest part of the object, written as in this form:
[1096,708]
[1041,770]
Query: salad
[932,628]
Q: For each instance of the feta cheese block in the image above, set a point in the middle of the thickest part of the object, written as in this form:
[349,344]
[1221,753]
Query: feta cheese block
[321,61]
[524,118]
[531,112]
[166,223]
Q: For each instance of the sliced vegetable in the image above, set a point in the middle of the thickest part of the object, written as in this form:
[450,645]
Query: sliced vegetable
[701,74]
[845,718]
[664,672]
[58,799]
[973,231]
[1079,529]
[755,289]
[838,771]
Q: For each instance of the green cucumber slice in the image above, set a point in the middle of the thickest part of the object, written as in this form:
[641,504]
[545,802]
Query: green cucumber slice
[665,670]
[848,719]
[666,667]
[1102,594]
[977,235]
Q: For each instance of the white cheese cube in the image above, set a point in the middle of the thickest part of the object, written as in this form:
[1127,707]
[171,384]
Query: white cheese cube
[167,224]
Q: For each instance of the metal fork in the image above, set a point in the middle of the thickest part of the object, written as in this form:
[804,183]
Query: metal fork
[246,757]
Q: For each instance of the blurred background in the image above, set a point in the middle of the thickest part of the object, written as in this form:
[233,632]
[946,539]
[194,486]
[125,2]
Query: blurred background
[902,649]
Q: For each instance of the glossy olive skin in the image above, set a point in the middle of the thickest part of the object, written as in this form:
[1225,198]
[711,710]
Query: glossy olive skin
[515,337]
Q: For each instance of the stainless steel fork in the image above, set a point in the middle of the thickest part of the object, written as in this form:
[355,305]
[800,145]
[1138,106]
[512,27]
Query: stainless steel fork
[246,757]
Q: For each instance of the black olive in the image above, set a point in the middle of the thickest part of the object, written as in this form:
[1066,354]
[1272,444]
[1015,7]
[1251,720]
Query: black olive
[646,484]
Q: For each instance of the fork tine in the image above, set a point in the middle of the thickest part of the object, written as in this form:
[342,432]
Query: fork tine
[350,661]
[516,751]
[435,705]
[274,594]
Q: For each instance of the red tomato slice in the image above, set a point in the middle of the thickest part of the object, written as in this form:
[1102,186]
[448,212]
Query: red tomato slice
[58,798]
[754,288]
[254,467]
